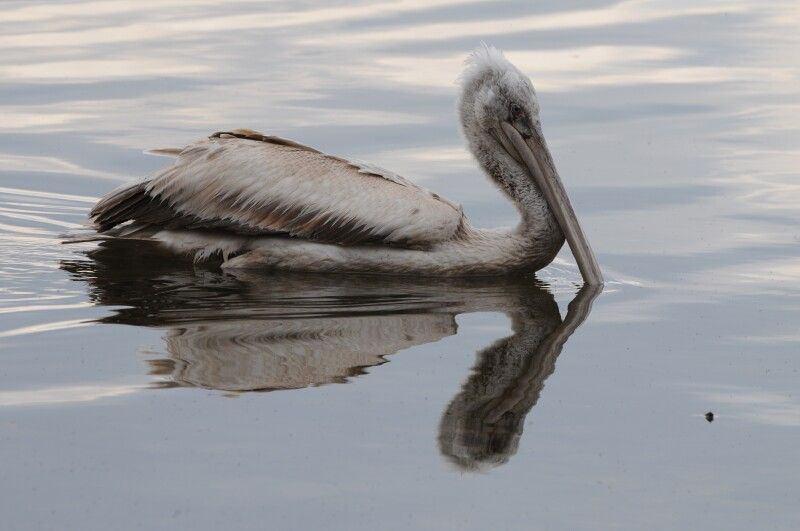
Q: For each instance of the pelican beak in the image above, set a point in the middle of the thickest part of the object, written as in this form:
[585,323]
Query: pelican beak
[536,157]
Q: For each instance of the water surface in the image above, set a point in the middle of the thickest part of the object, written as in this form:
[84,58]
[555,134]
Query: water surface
[138,391]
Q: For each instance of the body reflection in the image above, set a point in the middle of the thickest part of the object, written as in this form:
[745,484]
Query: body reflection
[242,355]
[254,332]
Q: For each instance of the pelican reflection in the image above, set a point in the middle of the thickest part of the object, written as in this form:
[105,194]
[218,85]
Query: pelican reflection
[258,332]
[482,425]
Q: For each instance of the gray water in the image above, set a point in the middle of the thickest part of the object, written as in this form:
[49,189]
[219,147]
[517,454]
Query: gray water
[143,392]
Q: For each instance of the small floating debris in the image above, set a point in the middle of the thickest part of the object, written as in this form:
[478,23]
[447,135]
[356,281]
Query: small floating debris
[710,416]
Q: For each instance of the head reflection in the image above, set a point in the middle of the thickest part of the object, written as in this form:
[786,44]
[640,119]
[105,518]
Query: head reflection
[271,332]
[482,425]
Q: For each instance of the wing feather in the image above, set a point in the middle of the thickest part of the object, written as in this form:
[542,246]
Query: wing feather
[249,183]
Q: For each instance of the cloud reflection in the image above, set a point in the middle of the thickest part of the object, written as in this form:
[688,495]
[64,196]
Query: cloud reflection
[621,13]
[210,22]
[93,69]
[49,396]
[552,70]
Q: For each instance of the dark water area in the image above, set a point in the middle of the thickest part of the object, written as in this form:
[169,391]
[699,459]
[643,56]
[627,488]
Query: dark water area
[138,390]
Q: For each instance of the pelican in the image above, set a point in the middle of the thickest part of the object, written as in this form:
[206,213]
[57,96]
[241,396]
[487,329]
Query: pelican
[265,202]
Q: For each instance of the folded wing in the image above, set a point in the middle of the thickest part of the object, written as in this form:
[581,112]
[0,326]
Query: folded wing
[252,184]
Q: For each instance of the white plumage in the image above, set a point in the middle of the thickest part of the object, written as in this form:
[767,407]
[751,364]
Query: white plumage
[267,202]
[262,184]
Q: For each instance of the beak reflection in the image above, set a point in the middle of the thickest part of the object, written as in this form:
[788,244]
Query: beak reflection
[482,426]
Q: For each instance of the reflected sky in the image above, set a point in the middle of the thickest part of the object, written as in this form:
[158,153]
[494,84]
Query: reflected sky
[675,128]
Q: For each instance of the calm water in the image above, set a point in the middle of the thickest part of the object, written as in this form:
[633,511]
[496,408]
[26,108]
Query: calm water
[127,379]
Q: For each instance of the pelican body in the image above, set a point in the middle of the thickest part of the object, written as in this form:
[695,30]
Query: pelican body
[266,202]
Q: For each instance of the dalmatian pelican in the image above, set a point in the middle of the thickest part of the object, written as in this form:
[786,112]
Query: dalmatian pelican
[266,202]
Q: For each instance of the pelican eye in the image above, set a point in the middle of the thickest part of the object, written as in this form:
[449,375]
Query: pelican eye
[515,111]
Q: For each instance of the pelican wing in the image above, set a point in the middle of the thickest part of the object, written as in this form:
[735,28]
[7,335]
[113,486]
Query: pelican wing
[249,183]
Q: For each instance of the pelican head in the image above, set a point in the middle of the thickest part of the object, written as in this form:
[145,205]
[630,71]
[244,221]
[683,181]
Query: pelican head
[495,91]
[499,114]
